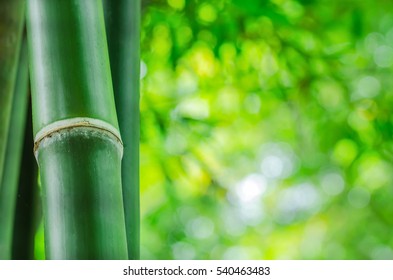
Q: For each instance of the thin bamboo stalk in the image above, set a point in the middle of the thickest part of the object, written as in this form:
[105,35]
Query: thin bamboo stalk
[122,19]
[77,142]
[11,25]
[13,156]
[28,202]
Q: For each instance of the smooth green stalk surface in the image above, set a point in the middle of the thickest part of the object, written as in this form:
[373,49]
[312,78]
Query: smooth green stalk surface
[80,166]
[11,26]
[70,63]
[122,20]
[80,175]
[9,182]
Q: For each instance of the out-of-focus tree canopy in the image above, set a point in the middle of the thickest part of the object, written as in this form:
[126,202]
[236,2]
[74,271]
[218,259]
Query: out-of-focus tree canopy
[267,129]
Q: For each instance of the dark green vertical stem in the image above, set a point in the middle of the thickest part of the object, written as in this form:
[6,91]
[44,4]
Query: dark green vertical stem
[122,20]
[13,155]
[11,25]
[27,210]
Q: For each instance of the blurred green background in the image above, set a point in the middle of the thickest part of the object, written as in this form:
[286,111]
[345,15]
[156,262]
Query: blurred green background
[266,129]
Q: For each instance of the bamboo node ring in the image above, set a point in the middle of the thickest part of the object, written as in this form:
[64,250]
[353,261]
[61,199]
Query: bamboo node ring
[68,124]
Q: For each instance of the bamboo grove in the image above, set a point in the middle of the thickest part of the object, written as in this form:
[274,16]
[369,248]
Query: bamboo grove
[80,62]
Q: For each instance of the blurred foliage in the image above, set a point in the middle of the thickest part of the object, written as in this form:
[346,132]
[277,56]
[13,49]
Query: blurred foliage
[266,129]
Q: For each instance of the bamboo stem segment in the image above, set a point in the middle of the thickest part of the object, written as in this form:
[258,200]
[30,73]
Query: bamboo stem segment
[11,27]
[122,19]
[13,157]
[79,161]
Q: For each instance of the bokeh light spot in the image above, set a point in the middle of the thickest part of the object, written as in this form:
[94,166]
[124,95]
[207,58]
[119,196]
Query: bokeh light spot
[367,87]
[183,251]
[200,228]
[177,4]
[383,56]
[358,197]
[345,151]
[332,183]
[251,188]
[207,13]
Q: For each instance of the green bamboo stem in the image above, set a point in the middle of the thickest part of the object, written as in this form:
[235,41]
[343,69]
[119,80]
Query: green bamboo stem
[11,25]
[28,206]
[122,20]
[13,155]
[77,142]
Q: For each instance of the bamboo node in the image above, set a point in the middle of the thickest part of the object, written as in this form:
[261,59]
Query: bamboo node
[73,123]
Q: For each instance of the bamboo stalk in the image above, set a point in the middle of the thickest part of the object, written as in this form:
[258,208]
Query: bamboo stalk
[13,155]
[122,20]
[77,142]
[28,206]
[11,25]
